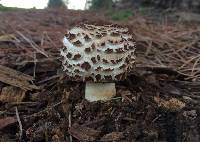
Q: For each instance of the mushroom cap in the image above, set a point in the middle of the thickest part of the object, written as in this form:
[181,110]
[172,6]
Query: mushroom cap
[98,53]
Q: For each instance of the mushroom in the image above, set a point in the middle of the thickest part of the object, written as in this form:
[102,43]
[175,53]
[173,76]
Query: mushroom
[100,55]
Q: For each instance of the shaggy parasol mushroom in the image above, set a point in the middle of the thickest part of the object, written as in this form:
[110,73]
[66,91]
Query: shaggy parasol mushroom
[99,55]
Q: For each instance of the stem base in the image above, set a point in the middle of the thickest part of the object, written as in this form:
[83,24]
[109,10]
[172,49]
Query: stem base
[99,91]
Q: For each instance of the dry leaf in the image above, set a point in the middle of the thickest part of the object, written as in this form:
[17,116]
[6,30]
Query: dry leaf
[171,104]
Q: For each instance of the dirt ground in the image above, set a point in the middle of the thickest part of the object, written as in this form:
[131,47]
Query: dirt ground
[159,100]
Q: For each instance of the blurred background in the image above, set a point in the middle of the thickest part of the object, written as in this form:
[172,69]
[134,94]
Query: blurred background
[118,10]
[185,5]
[189,5]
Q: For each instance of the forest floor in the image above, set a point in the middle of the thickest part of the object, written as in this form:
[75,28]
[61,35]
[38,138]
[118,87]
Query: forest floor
[159,100]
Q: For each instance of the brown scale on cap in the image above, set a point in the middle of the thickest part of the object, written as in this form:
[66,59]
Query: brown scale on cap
[104,33]
[124,40]
[126,47]
[94,61]
[119,50]
[127,60]
[105,61]
[86,66]
[89,78]
[108,69]
[133,53]
[117,42]
[87,50]
[125,32]
[108,77]
[69,66]
[115,34]
[64,49]
[98,58]
[77,56]
[98,77]
[119,60]
[131,39]
[92,34]
[131,47]
[70,36]
[108,50]
[89,28]
[77,77]
[87,38]
[93,46]
[98,69]
[122,66]
[77,43]
[103,44]
[69,55]
[113,61]
[97,50]
[114,41]
[65,63]
[111,41]
[98,36]
[77,71]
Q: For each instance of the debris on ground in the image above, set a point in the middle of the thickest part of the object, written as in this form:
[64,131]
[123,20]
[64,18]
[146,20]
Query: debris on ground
[159,100]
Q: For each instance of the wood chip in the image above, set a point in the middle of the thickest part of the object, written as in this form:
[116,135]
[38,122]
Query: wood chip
[16,78]
[114,136]
[12,94]
[83,133]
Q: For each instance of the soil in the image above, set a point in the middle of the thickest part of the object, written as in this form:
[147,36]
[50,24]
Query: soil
[39,103]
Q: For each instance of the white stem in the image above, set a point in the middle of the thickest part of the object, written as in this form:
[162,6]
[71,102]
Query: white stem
[99,91]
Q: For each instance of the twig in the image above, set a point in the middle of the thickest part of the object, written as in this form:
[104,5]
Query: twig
[190,60]
[195,64]
[149,48]
[70,125]
[20,124]
[35,63]
[45,110]
[186,46]
[49,78]
[156,118]
[31,43]
[50,39]
[42,40]
[23,103]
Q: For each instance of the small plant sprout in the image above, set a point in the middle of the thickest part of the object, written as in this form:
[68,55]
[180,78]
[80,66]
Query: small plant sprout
[99,55]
